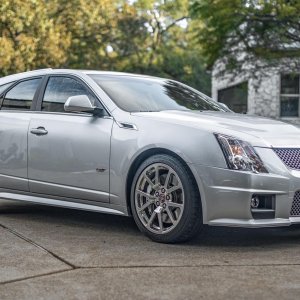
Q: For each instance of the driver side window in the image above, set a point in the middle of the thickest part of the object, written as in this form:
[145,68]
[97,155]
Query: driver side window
[59,89]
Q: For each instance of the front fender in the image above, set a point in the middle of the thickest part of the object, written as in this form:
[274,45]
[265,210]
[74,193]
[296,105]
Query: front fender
[194,146]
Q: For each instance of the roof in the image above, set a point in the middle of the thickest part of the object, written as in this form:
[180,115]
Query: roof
[42,72]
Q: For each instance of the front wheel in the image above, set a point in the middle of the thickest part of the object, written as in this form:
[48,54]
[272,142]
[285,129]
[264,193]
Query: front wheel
[165,200]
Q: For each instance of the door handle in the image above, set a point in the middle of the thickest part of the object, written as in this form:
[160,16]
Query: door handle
[39,131]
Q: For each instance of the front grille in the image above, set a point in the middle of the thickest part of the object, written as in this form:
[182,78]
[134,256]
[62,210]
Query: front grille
[290,156]
[295,210]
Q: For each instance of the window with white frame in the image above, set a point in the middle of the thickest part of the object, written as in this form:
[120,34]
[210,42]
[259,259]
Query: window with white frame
[290,95]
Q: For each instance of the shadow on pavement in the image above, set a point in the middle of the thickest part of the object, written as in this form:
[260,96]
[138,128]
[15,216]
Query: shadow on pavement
[210,236]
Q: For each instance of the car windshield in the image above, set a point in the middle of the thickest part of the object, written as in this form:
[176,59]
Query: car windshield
[142,94]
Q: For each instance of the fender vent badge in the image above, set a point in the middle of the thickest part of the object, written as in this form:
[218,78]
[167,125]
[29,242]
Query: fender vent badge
[127,125]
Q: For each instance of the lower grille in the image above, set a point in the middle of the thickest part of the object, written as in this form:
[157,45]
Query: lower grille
[295,210]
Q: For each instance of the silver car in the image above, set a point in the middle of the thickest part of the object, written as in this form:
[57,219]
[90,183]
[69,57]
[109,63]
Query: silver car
[146,147]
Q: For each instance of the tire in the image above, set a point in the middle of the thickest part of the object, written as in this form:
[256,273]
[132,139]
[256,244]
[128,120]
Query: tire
[165,200]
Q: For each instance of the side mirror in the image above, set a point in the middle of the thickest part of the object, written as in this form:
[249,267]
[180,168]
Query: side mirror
[225,107]
[82,103]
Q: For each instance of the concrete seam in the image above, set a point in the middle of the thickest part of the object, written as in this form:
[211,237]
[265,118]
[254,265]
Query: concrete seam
[140,267]
[19,235]
[35,276]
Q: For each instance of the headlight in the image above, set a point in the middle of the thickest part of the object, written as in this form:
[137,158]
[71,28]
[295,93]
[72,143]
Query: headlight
[240,155]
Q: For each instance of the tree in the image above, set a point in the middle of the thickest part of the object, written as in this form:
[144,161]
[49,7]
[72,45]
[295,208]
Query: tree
[91,25]
[28,38]
[155,37]
[143,36]
[143,28]
[252,32]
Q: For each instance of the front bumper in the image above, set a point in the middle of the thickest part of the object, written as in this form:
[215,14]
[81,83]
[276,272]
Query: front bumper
[226,194]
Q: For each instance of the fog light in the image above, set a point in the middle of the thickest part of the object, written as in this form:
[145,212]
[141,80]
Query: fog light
[254,202]
[263,206]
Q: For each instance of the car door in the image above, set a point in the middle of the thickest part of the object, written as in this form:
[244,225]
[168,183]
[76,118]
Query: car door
[16,101]
[68,153]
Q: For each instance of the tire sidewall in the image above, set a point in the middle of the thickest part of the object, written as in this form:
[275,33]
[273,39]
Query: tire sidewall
[189,197]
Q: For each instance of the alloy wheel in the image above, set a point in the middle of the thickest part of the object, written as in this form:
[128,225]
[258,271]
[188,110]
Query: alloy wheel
[159,198]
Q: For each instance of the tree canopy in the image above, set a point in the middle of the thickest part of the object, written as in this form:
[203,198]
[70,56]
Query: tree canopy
[263,30]
[29,38]
[142,36]
[172,38]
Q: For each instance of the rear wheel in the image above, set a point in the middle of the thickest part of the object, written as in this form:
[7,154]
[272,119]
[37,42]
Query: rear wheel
[165,200]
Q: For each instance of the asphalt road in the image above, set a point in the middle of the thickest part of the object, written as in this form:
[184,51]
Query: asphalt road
[54,253]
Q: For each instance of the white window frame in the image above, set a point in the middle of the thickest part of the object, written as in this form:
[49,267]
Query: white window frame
[289,96]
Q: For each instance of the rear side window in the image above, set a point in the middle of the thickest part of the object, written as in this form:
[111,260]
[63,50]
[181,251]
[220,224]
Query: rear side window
[20,97]
[59,89]
[4,87]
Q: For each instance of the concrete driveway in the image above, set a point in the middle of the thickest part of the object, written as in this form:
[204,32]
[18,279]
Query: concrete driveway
[54,253]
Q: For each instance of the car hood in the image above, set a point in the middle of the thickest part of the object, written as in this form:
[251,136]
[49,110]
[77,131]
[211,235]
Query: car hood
[274,133]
